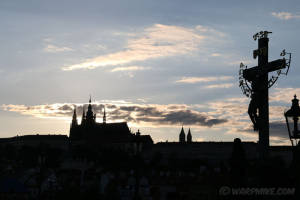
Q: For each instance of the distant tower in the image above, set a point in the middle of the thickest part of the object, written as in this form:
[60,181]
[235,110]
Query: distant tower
[189,136]
[104,116]
[182,136]
[74,119]
[74,126]
[89,114]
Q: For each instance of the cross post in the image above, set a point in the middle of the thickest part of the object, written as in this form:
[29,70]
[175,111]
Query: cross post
[259,104]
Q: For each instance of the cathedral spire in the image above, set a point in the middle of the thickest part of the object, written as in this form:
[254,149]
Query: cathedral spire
[74,119]
[182,136]
[89,114]
[90,105]
[104,116]
[189,136]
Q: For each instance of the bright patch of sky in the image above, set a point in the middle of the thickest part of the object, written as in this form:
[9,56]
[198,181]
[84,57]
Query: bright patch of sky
[145,54]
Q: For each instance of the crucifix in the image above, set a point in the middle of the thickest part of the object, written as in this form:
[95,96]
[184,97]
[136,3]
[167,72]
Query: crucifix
[255,83]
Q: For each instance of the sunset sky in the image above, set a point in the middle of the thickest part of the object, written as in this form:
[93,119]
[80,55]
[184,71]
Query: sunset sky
[156,64]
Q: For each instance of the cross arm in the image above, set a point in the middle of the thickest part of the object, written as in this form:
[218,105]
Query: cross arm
[251,73]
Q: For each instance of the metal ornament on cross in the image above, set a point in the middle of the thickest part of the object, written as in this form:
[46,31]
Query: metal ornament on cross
[255,82]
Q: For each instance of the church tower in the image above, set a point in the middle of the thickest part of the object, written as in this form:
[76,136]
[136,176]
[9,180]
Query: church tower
[74,119]
[182,136]
[90,117]
[189,136]
[74,126]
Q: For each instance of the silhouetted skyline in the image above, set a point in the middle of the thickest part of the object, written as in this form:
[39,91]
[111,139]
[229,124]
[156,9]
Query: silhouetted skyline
[156,65]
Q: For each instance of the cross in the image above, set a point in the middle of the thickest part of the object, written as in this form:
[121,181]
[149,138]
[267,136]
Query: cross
[258,76]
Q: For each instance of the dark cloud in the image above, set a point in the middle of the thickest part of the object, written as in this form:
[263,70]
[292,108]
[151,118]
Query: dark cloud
[128,108]
[212,122]
[48,107]
[148,111]
[277,129]
[66,107]
[189,117]
[110,106]
[152,114]
[174,107]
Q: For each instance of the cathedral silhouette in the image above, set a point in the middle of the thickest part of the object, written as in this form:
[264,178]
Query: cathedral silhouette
[105,134]
[182,136]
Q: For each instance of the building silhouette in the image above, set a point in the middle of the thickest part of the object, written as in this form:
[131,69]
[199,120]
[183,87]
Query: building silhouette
[104,134]
[182,138]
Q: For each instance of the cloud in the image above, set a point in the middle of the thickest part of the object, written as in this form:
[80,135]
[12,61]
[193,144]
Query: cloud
[224,85]
[156,41]
[203,79]
[238,62]
[278,129]
[215,54]
[209,30]
[95,47]
[234,109]
[173,117]
[284,95]
[41,111]
[129,68]
[193,80]
[150,114]
[49,39]
[285,15]
[238,121]
[55,49]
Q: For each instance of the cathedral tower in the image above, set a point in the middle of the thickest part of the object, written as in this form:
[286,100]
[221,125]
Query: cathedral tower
[90,117]
[189,136]
[182,136]
[74,125]
[74,119]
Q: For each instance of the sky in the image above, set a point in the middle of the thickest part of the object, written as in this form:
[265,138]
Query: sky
[159,65]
